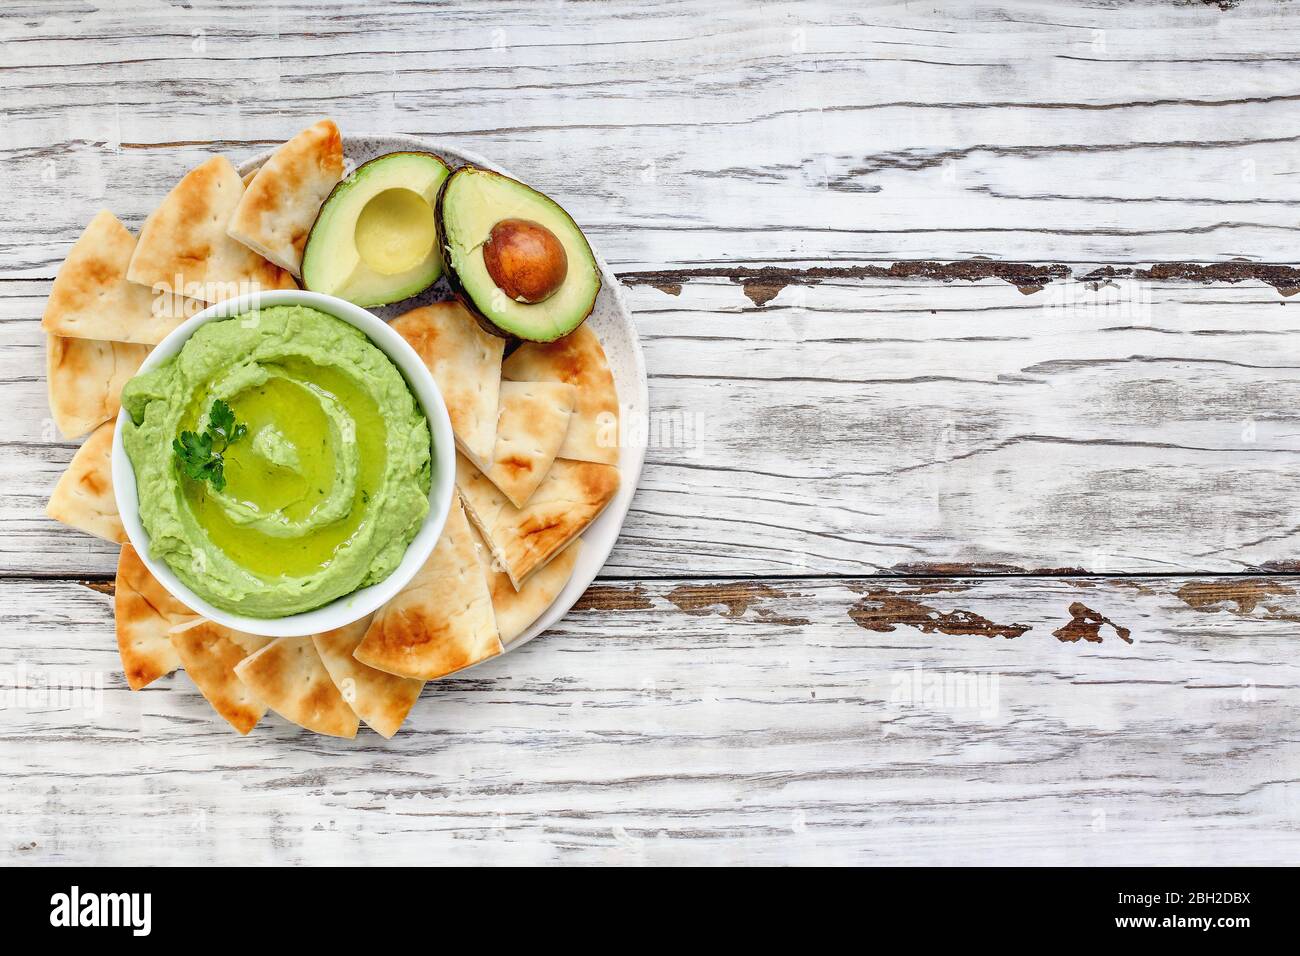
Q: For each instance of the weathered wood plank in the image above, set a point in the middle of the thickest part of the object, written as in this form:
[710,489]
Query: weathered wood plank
[702,133]
[855,427]
[907,721]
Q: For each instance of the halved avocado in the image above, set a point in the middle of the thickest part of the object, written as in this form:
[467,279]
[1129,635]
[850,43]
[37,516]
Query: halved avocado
[375,238]
[516,260]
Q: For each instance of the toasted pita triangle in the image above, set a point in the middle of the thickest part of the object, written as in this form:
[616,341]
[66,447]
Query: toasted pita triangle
[382,700]
[91,298]
[530,429]
[524,539]
[466,364]
[83,498]
[184,247]
[209,653]
[442,621]
[144,612]
[280,202]
[289,677]
[579,360]
[85,379]
[516,610]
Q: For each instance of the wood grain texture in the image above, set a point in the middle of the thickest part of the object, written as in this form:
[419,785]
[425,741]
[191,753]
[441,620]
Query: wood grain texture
[866,426]
[698,134]
[798,195]
[815,721]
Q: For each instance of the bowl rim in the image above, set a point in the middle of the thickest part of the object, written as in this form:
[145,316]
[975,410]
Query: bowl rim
[350,607]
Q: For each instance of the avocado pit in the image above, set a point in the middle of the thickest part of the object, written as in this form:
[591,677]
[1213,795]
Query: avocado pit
[525,260]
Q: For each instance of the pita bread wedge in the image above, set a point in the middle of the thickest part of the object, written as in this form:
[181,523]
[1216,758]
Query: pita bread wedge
[289,677]
[442,621]
[209,653]
[85,379]
[184,247]
[381,699]
[530,429]
[280,203]
[524,539]
[579,360]
[83,498]
[517,610]
[144,612]
[91,298]
[466,364]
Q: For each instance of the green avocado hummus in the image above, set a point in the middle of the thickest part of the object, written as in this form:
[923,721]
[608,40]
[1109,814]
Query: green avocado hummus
[323,494]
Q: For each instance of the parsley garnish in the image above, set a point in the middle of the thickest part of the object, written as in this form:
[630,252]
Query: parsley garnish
[198,453]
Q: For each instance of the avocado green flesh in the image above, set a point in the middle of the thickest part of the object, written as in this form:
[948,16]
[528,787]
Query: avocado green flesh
[291,405]
[474,201]
[374,241]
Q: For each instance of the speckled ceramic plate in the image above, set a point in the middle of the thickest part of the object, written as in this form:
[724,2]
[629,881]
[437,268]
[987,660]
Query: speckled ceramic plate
[610,320]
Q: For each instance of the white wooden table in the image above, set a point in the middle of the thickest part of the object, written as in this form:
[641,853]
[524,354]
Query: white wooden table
[968,525]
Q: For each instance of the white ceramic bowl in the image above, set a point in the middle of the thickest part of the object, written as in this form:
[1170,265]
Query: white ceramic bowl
[358,604]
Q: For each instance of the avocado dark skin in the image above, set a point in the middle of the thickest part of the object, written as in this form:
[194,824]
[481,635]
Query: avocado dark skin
[525,260]
[453,278]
